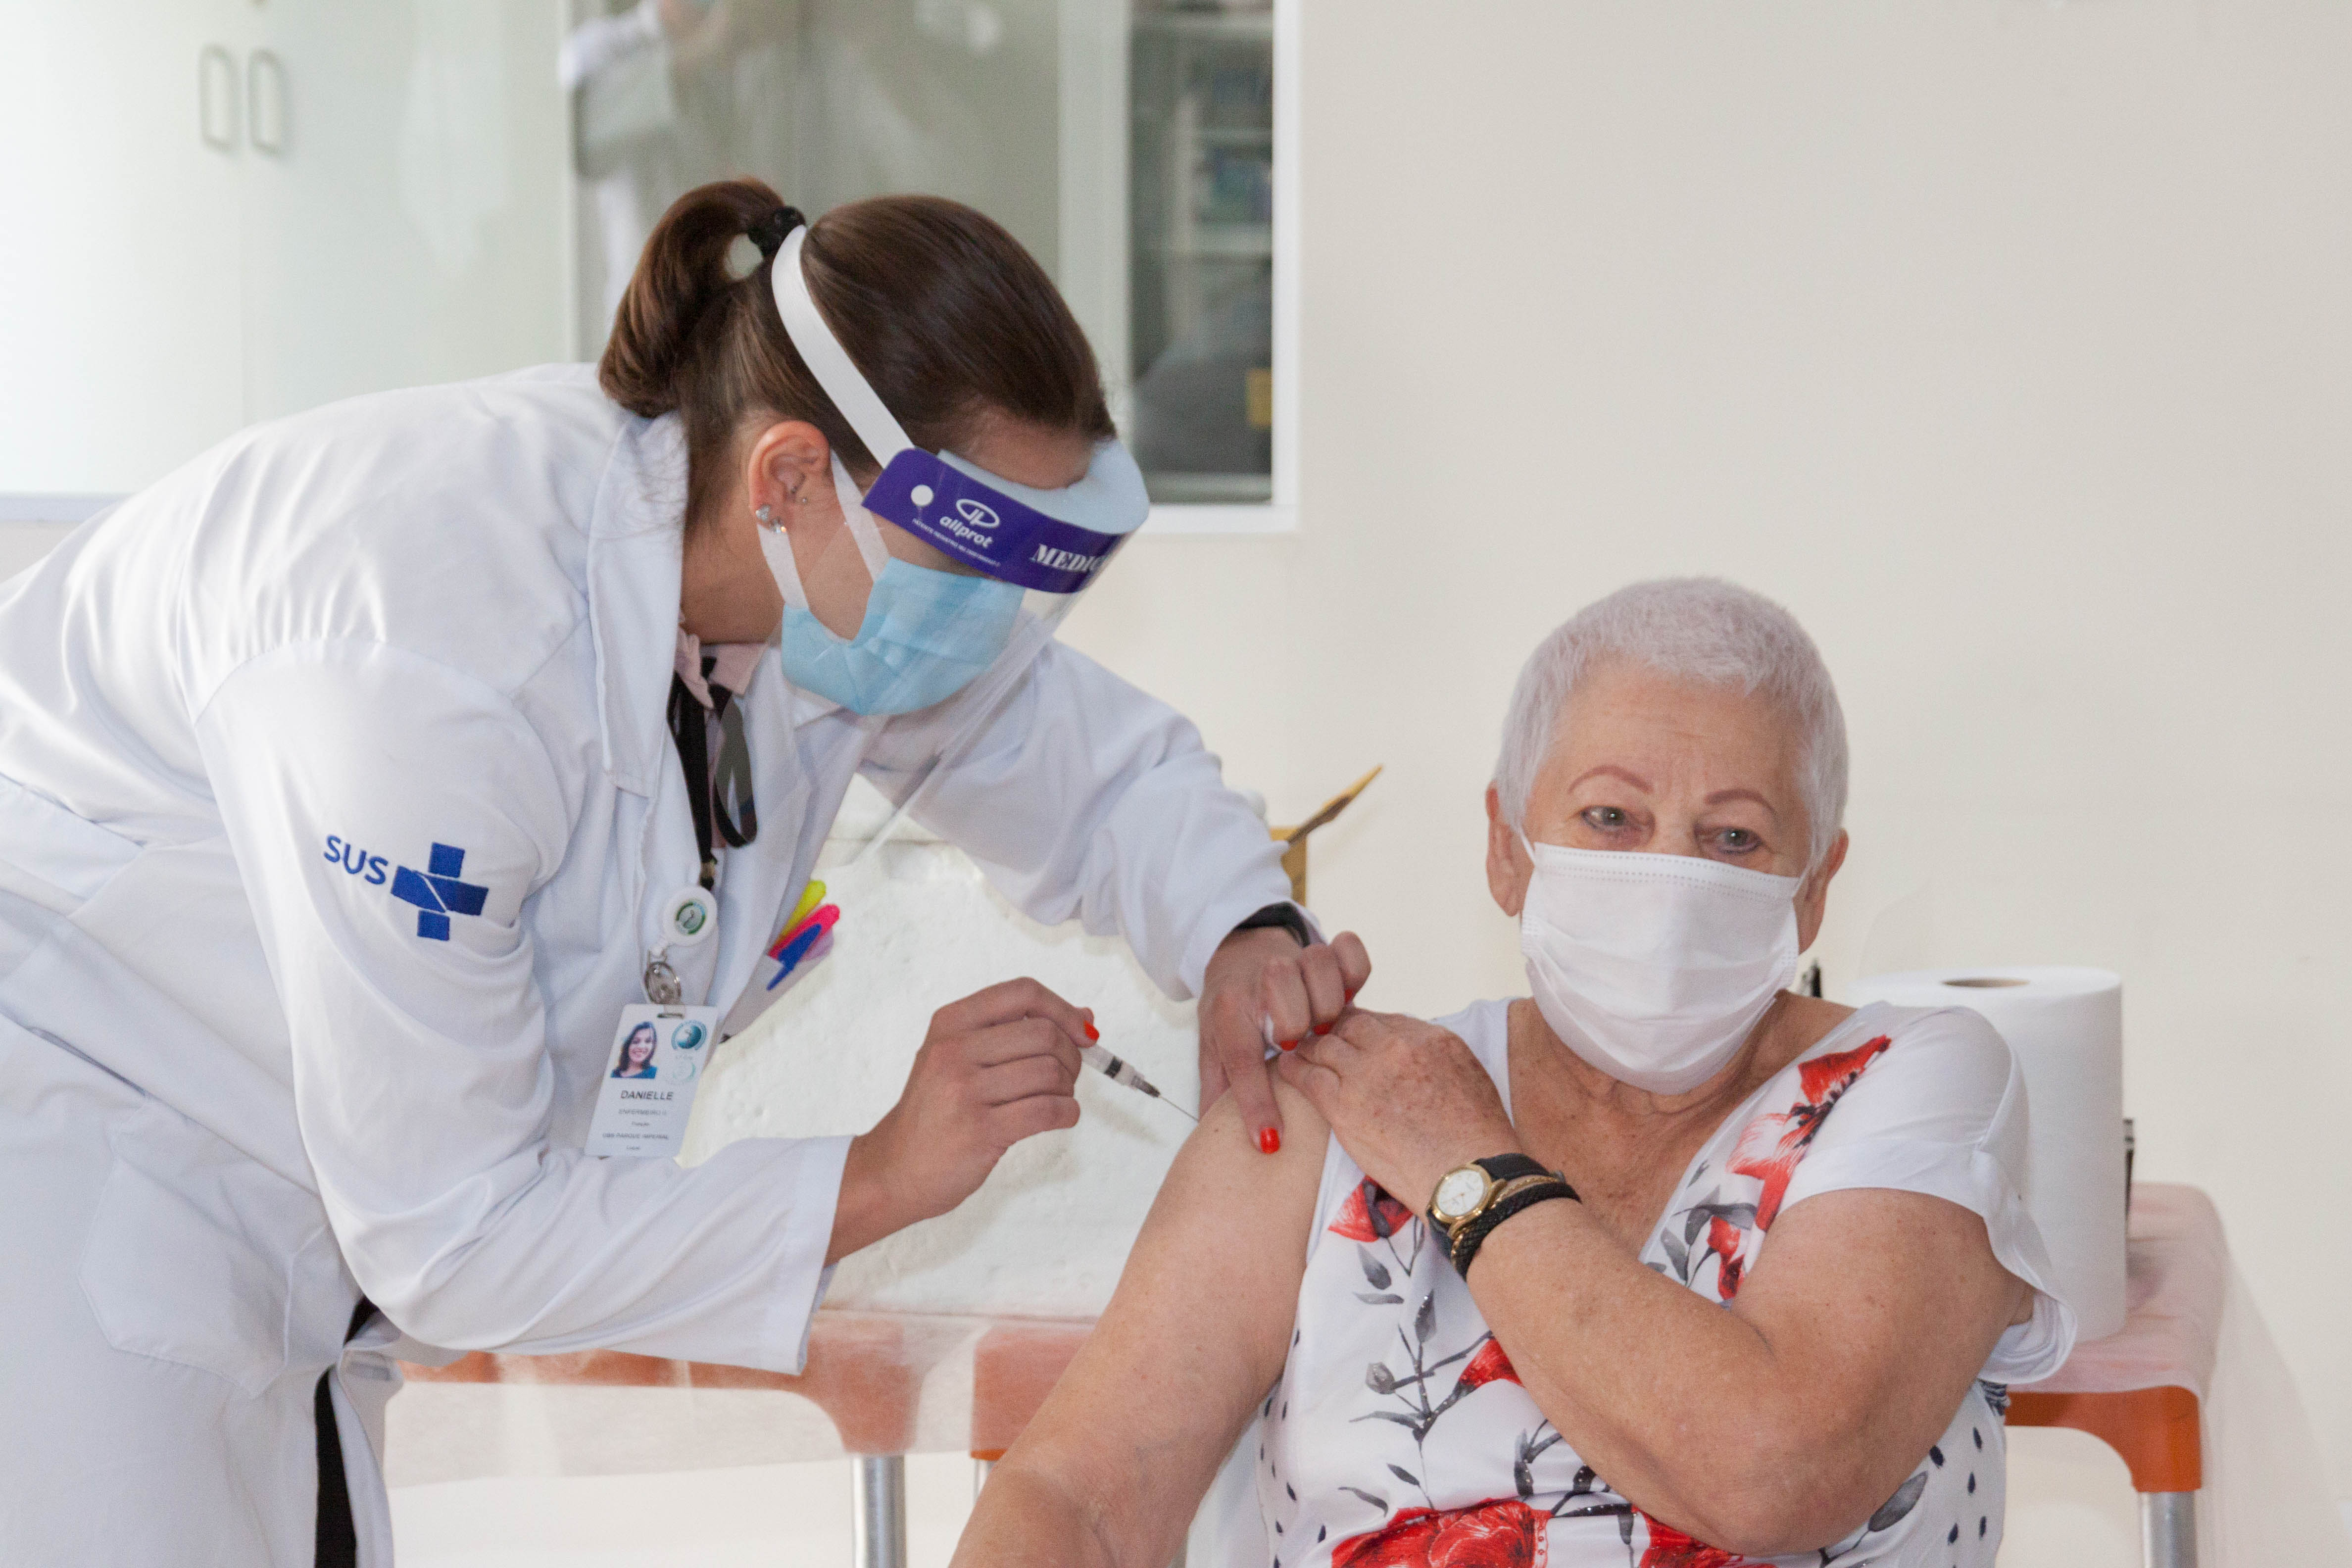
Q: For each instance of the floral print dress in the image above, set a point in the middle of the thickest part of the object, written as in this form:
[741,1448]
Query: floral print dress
[1399,1436]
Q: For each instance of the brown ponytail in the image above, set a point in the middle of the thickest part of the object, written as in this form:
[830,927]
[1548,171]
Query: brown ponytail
[944,313]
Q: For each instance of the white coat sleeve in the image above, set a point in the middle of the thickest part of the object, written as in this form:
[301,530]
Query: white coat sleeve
[1086,798]
[390,818]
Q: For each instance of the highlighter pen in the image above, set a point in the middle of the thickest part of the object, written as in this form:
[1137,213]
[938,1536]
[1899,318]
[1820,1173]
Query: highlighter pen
[1117,1071]
[822,919]
[795,951]
[787,978]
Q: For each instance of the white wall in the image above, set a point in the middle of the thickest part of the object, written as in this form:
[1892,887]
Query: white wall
[2009,344]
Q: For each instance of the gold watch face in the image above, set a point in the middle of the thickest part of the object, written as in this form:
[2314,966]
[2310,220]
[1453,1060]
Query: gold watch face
[1459,1193]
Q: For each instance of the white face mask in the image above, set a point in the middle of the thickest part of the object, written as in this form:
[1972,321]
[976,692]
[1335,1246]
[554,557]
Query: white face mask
[1653,967]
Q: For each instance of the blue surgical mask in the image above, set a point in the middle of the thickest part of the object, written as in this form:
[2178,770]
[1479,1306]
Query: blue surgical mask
[927,635]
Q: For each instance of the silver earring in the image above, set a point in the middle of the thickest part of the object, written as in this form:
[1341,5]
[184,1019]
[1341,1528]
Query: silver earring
[767,516]
[799,500]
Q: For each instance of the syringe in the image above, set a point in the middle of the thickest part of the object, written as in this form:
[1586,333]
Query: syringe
[1119,1071]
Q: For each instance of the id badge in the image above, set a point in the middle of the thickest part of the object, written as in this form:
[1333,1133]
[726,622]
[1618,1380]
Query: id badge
[655,1065]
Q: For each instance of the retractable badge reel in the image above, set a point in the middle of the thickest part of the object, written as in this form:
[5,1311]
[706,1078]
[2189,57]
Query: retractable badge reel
[660,1048]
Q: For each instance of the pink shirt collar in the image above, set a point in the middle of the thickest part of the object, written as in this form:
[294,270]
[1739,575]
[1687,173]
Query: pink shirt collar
[734,665]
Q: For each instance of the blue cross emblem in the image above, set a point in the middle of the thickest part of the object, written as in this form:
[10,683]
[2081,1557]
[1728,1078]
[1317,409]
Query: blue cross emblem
[438,893]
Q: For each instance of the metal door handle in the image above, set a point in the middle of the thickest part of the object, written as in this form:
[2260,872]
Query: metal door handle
[212,63]
[266,131]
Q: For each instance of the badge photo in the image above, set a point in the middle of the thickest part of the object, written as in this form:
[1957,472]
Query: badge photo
[633,1056]
[646,1095]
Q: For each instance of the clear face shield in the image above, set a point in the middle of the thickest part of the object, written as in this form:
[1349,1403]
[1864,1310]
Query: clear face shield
[970,572]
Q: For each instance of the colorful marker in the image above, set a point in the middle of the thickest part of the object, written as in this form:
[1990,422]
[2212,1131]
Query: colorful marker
[802,947]
[787,978]
[818,920]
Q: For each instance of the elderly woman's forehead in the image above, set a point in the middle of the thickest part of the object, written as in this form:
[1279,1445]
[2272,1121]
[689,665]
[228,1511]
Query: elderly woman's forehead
[1621,703]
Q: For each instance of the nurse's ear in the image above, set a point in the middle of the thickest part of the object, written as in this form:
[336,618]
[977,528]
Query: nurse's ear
[788,469]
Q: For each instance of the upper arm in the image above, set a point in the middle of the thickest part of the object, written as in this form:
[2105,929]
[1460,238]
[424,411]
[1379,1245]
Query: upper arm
[1195,1335]
[389,817]
[1897,1260]
[1882,1306]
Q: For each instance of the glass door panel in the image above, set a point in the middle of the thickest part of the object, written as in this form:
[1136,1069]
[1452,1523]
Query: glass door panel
[827,100]
[1127,143]
[1201,195]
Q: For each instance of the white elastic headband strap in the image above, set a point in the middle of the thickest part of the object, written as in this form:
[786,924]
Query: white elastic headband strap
[778,550]
[862,529]
[826,358]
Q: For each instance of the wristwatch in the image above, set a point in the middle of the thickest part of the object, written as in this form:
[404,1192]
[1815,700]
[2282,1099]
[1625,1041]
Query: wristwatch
[1467,1190]
[1285,915]
[1472,1199]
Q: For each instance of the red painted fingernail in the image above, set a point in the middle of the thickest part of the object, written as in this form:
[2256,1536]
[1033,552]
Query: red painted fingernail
[1322,1028]
[1288,1045]
[1093,1033]
[1269,1141]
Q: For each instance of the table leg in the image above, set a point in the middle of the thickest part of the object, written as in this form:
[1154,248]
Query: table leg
[2167,1530]
[878,1521]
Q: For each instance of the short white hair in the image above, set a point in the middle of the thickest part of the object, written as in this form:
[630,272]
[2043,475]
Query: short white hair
[1699,629]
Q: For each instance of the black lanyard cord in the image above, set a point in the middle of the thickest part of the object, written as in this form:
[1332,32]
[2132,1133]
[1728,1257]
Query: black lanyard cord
[733,811]
[689,727]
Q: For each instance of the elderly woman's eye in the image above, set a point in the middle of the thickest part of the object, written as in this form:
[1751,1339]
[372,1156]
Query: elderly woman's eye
[1605,816]
[1738,841]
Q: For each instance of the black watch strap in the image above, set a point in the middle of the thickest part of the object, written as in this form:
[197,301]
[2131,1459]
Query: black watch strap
[1286,916]
[1474,1235]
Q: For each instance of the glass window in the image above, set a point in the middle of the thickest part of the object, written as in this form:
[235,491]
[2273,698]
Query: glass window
[1131,145]
[1202,251]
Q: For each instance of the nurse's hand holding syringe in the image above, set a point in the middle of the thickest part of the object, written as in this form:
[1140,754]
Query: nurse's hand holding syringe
[997,1067]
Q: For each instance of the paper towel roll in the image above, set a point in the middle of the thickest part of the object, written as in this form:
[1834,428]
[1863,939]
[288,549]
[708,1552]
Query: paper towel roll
[2066,1027]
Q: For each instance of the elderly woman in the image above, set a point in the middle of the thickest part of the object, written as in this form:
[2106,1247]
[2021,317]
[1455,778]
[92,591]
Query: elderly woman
[1666,1266]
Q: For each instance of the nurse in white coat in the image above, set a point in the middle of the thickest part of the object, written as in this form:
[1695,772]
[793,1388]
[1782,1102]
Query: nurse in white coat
[342,811]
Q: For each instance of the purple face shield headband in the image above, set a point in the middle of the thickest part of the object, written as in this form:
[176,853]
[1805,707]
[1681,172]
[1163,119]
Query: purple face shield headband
[1053,541]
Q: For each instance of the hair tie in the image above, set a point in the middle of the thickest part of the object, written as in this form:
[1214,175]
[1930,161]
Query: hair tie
[769,233]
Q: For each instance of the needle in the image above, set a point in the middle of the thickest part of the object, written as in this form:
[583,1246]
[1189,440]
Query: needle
[1099,1058]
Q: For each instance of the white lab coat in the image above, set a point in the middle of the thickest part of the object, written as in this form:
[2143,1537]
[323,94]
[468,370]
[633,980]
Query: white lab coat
[233,709]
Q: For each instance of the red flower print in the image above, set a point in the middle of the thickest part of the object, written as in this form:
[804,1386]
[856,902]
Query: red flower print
[1823,1078]
[1723,1239]
[1370,1214]
[1505,1533]
[1670,1548]
[1771,1146]
[1489,1365]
